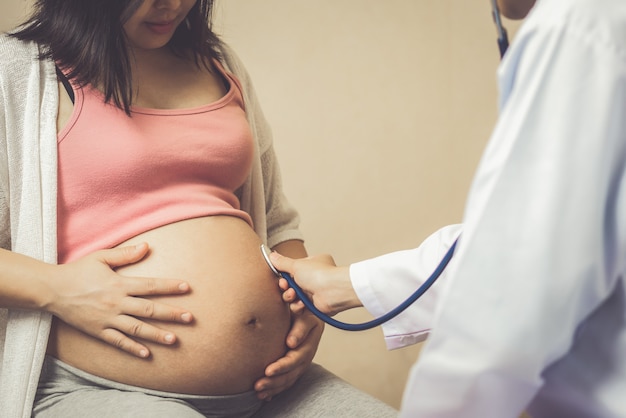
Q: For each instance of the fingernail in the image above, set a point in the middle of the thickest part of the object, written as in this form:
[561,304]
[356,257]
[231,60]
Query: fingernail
[169,338]
[183,286]
[144,353]
[186,317]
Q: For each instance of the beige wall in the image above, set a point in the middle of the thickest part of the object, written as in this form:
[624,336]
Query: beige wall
[11,11]
[380,111]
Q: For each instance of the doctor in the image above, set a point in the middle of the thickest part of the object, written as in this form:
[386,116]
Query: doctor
[531,314]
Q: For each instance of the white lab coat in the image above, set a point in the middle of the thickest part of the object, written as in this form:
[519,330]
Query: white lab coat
[532,312]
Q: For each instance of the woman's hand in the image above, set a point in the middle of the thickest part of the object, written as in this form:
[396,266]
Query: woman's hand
[303,339]
[90,296]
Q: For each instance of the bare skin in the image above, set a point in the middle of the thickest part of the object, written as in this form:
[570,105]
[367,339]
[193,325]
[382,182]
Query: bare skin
[515,9]
[91,297]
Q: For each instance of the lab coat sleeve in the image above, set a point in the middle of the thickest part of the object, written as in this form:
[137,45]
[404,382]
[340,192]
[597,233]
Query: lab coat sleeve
[540,248]
[384,282]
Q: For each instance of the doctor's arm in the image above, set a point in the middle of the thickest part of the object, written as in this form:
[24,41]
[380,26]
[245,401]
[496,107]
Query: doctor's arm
[379,284]
[535,258]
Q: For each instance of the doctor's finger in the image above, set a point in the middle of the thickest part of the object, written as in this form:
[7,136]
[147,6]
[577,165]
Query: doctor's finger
[297,307]
[282,263]
[290,295]
[283,284]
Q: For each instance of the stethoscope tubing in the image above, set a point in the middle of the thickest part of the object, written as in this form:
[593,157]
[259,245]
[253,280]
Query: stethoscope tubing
[503,38]
[375,322]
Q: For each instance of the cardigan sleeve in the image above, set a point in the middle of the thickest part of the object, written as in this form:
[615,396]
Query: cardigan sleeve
[29,104]
[262,196]
[4,163]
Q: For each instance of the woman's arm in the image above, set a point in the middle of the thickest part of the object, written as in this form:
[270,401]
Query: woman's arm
[292,249]
[303,339]
[276,222]
[91,297]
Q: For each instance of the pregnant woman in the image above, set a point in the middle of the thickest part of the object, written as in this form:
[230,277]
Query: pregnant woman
[137,190]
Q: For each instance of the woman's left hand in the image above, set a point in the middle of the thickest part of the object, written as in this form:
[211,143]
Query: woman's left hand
[302,340]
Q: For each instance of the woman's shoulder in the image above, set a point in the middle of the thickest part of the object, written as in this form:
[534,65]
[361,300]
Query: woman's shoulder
[15,50]
[231,61]
[16,56]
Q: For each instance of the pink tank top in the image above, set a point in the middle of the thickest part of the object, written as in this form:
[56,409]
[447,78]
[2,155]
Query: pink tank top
[120,176]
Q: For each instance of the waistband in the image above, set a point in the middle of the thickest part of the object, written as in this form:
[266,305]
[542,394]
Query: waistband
[58,377]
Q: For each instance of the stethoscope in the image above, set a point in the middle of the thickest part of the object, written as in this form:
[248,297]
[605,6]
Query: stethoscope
[503,44]
[503,38]
[374,322]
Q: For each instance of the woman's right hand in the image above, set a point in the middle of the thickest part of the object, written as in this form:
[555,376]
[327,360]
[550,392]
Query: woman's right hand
[89,295]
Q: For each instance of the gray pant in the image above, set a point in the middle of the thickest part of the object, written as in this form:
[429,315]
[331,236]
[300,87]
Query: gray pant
[67,392]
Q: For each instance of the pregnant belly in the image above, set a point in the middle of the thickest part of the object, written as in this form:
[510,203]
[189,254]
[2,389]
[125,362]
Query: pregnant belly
[240,320]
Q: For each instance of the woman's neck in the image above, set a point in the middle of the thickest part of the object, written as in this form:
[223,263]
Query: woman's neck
[163,79]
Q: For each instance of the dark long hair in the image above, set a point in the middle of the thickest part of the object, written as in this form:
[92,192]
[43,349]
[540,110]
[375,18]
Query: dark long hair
[86,38]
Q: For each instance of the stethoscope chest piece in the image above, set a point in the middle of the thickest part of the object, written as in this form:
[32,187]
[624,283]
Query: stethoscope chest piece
[266,256]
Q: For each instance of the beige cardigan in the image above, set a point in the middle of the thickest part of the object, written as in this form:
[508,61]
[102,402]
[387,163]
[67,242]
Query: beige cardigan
[28,181]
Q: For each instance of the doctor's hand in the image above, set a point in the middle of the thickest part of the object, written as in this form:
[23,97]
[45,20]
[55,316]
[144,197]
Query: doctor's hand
[329,287]
[90,296]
